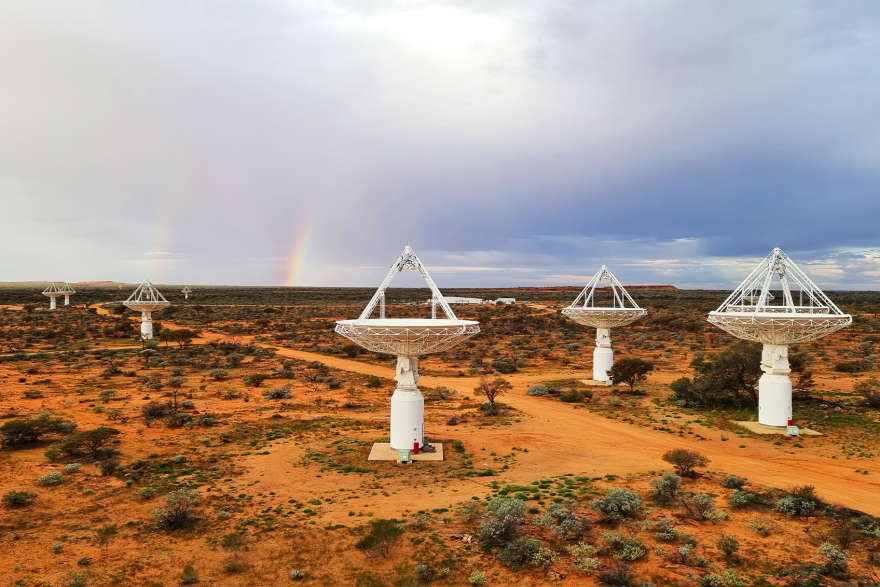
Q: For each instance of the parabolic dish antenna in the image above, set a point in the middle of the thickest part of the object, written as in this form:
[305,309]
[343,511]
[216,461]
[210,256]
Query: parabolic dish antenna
[146,299]
[67,291]
[623,310]
[804,313]
[186,291]
[408,338]
[52,292]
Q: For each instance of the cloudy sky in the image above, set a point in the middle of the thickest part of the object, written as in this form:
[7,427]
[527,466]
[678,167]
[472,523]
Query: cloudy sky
[510,142]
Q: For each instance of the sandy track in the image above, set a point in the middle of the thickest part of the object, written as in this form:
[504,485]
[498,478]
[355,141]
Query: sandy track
[562,440]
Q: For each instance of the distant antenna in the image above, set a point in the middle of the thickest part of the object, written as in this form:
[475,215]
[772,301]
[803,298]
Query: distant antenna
[623,310]
[52,292]
[146,299]
[186,291]
[67,291]
[748,314]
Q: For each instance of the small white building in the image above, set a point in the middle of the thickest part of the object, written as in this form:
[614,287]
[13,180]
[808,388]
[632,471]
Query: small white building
[507,301]
[451,300]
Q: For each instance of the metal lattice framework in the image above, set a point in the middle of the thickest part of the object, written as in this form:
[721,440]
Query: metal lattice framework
[66,289]
[623,310]
[186,290]
[748,314]
[146,298]
[406,336]
[53,291]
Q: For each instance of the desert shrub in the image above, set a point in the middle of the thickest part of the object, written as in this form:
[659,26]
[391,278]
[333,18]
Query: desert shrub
[761,526]
[666,529]
[470,512]
[697,505]
[17,499]
[420,521]
[57,547]
[179,511]
[626,549]
[544,557]
[477,578]
[685,461]
[742,499]
[280,392]
[189,575]
[218,374]
[616,505]
[728,545]
[91,442]
[518,552]
[108,465]
[870,390]
[725,578]
[372,382]
[452,421]
[504,365]
[501,520]
[563,520]
[154,410]
[178,458]
[538,390]
[296,575]
[795,505]
[50,479]
[176,382]
[630,370]
[233,566]
[147,493]
[733,482]
[666,487]
[71,468]
[187,404]
[17,432]
[382,537]
[618,574]
[107,395]
[832,560]
[572,396]
[424,572]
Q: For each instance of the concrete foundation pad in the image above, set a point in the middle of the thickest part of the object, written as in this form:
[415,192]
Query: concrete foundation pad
[758,429]
[381,451]
[594,382]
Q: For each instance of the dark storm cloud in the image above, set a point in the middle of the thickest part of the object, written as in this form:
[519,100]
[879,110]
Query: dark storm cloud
[509,142]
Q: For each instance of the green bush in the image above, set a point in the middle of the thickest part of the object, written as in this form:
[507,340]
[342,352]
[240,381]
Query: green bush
[50,479]
[518,552]
[383,535]
[742,499]
[666,487]
[794,505]
[616,505]
[147,493]
[71,468]
[733,482]
[833,561]
[424,572]
[477,578]
[538,390]
[17,499]
[572,396]
[501,520]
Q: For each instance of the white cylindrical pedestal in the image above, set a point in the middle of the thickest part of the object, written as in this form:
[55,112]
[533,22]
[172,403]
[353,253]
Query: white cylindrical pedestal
[774,400]
[407,418]
[146,326]
[774,387]
[603,359]
[66,300]
[52,305]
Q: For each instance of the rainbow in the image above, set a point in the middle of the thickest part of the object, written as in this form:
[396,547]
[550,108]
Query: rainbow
[294,267]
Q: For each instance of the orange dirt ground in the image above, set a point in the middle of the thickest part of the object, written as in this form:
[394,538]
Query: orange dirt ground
[540,438]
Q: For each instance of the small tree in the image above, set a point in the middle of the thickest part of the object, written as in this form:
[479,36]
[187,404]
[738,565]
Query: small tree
[93,441]
[17,432]
[382,537]
[685,460]
[870,390]
[179,511]
[492,389]
[352,350]
[630,370]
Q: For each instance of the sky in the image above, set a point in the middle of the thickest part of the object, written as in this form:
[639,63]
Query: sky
[510,142]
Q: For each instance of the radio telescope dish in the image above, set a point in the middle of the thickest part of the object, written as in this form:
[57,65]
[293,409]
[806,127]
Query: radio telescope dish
[623,311]
[186,291]
[52,292]
[408,338]
[67,291]
[803,314]
[146,299]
